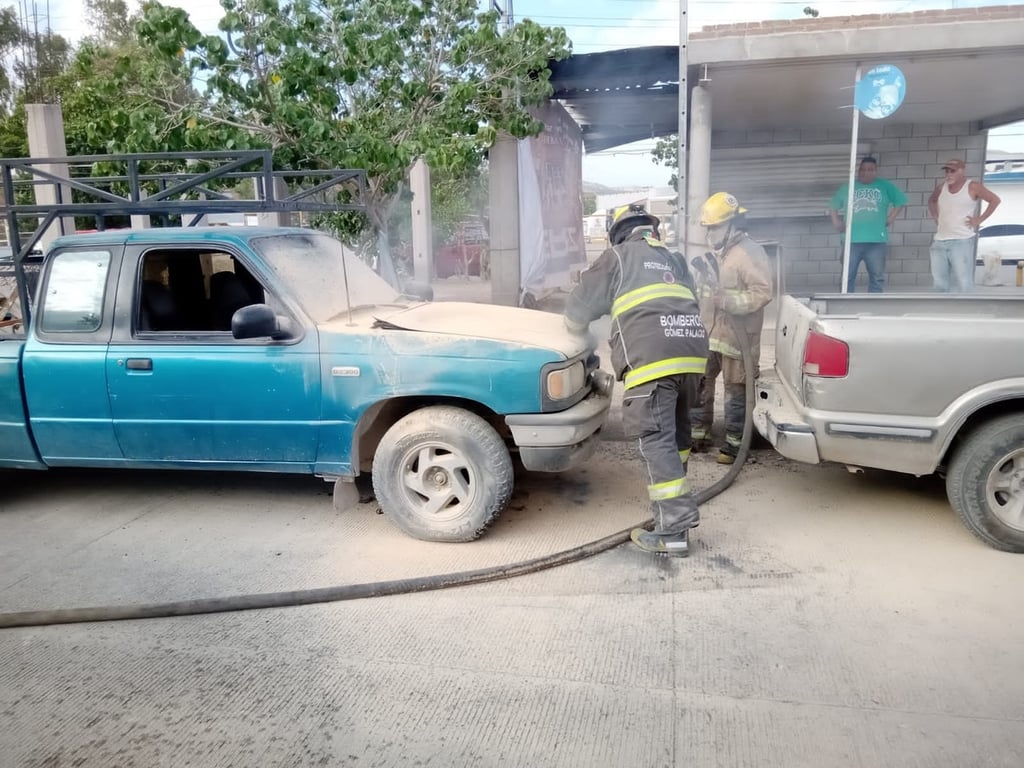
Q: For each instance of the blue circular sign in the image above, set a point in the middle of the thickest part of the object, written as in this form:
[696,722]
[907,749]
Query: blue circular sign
[880,92]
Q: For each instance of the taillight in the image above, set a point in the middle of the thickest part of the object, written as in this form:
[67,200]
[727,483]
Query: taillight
[825,356]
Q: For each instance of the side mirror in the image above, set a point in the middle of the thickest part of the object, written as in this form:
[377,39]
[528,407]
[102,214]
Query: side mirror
[256,321]
[418,290]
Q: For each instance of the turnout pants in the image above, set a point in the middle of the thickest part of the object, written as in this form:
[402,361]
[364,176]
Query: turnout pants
[735,380]
[657,414]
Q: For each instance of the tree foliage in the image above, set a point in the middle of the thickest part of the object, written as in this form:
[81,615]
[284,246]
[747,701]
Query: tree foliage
[111,92]
[31,58]
[666,152]
[371,84]
[111,21]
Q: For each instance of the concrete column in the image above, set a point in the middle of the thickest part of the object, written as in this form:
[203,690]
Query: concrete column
[46,139]
[503,192]
[422,223]
[700,168]
[139,220]
[278,219]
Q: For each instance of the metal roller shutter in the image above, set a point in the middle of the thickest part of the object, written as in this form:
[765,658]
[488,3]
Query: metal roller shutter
[782,181]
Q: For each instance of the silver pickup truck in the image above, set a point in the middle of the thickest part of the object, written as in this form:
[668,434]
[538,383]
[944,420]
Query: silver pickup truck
[913,383]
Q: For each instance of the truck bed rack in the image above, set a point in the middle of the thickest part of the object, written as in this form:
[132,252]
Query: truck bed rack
[186,184]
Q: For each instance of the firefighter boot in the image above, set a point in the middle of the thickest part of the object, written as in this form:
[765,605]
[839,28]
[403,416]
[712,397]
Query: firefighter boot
[699,441]
[727,453]
[673,544]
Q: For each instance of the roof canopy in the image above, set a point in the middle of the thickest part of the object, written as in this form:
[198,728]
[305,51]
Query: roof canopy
[617,97]
[961,65]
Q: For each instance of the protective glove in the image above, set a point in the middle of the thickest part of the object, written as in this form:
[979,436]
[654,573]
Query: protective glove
[578,329]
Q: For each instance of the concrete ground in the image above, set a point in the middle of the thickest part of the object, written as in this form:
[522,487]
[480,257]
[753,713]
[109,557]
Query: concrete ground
[824,619]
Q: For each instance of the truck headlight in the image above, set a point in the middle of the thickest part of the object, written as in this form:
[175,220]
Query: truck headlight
[566,382]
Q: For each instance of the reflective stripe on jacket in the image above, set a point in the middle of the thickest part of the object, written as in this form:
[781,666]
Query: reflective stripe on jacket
[656,325]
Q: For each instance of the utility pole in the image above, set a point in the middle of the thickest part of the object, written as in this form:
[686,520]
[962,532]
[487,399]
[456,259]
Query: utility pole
[505,13]
[682,175]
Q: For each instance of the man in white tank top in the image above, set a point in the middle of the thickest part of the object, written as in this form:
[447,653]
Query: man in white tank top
[954,207]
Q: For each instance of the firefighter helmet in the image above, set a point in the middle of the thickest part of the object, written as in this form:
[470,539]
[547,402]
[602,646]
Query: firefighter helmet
[719,208]
[625,217]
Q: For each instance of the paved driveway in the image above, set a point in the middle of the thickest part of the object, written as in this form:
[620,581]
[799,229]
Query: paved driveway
[825,619]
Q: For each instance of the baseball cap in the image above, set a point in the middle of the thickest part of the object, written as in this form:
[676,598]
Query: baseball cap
[954,165]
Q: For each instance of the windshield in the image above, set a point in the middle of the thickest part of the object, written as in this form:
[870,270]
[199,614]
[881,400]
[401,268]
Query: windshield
[310,266]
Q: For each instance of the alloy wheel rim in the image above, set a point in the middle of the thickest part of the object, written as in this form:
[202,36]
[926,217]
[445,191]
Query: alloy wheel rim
[438,482]
[1004,489]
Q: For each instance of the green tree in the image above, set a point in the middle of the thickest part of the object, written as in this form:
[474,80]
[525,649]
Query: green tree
[111,21]
[30,58]
[10,38]
[666,152]
[87,82]
[371,84]
[113,96]
[589,203]
[455,199]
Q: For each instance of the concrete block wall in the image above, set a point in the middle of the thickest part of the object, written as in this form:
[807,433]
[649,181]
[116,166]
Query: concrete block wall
[911,156]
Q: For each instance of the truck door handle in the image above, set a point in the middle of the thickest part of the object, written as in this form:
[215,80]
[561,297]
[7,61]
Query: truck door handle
[139,364]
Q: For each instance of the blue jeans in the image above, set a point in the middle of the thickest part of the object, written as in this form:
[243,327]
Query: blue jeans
[953,262]
[873,256]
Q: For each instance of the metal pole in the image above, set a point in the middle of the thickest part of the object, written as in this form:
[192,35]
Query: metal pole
[682,175]
[849,189]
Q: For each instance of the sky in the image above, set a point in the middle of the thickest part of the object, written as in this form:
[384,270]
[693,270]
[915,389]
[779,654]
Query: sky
[600,25]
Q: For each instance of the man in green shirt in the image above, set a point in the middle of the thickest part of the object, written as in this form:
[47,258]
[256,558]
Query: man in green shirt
[876,203]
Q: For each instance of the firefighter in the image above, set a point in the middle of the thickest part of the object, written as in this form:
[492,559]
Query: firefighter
[659,351]
[735,285]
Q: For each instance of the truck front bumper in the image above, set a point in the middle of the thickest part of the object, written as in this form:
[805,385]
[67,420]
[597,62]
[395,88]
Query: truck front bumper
[777,417]
[554,442]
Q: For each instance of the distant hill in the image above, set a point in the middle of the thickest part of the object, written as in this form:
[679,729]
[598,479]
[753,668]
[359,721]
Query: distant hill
[594,188]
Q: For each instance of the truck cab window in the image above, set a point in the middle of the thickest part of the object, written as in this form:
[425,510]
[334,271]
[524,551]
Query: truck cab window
[185,290]
[74,292]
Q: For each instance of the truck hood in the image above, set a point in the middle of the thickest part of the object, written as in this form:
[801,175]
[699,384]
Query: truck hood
[487,321]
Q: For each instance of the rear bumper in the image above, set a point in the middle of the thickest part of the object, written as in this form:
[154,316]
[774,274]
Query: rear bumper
[777,417]
[553,442]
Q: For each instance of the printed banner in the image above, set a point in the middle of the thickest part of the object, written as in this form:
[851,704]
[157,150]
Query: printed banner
[551,243]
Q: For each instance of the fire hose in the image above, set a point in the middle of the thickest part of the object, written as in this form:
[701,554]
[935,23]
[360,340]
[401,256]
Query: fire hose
[380,588]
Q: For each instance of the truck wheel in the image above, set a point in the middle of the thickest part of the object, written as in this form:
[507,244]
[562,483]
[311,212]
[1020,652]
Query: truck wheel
[442,474]
[985,482]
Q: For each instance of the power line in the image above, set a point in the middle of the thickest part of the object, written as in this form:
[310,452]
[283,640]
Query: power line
[947,5]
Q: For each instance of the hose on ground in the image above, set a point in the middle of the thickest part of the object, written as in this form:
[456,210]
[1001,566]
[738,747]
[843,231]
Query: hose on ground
[379,588]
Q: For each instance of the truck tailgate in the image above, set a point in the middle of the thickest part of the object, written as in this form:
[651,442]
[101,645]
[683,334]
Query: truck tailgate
[792,326]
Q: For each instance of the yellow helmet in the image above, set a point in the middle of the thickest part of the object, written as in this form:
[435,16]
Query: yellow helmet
[719,208]
[625,217]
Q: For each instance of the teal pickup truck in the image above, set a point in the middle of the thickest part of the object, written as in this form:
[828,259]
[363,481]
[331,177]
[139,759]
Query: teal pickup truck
[270,349]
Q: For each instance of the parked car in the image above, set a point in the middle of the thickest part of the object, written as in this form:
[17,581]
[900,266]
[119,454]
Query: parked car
[465,254]
[1000,248]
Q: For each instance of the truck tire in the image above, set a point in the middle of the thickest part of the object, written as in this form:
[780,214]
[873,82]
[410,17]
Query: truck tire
[985,482]
[442,474]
